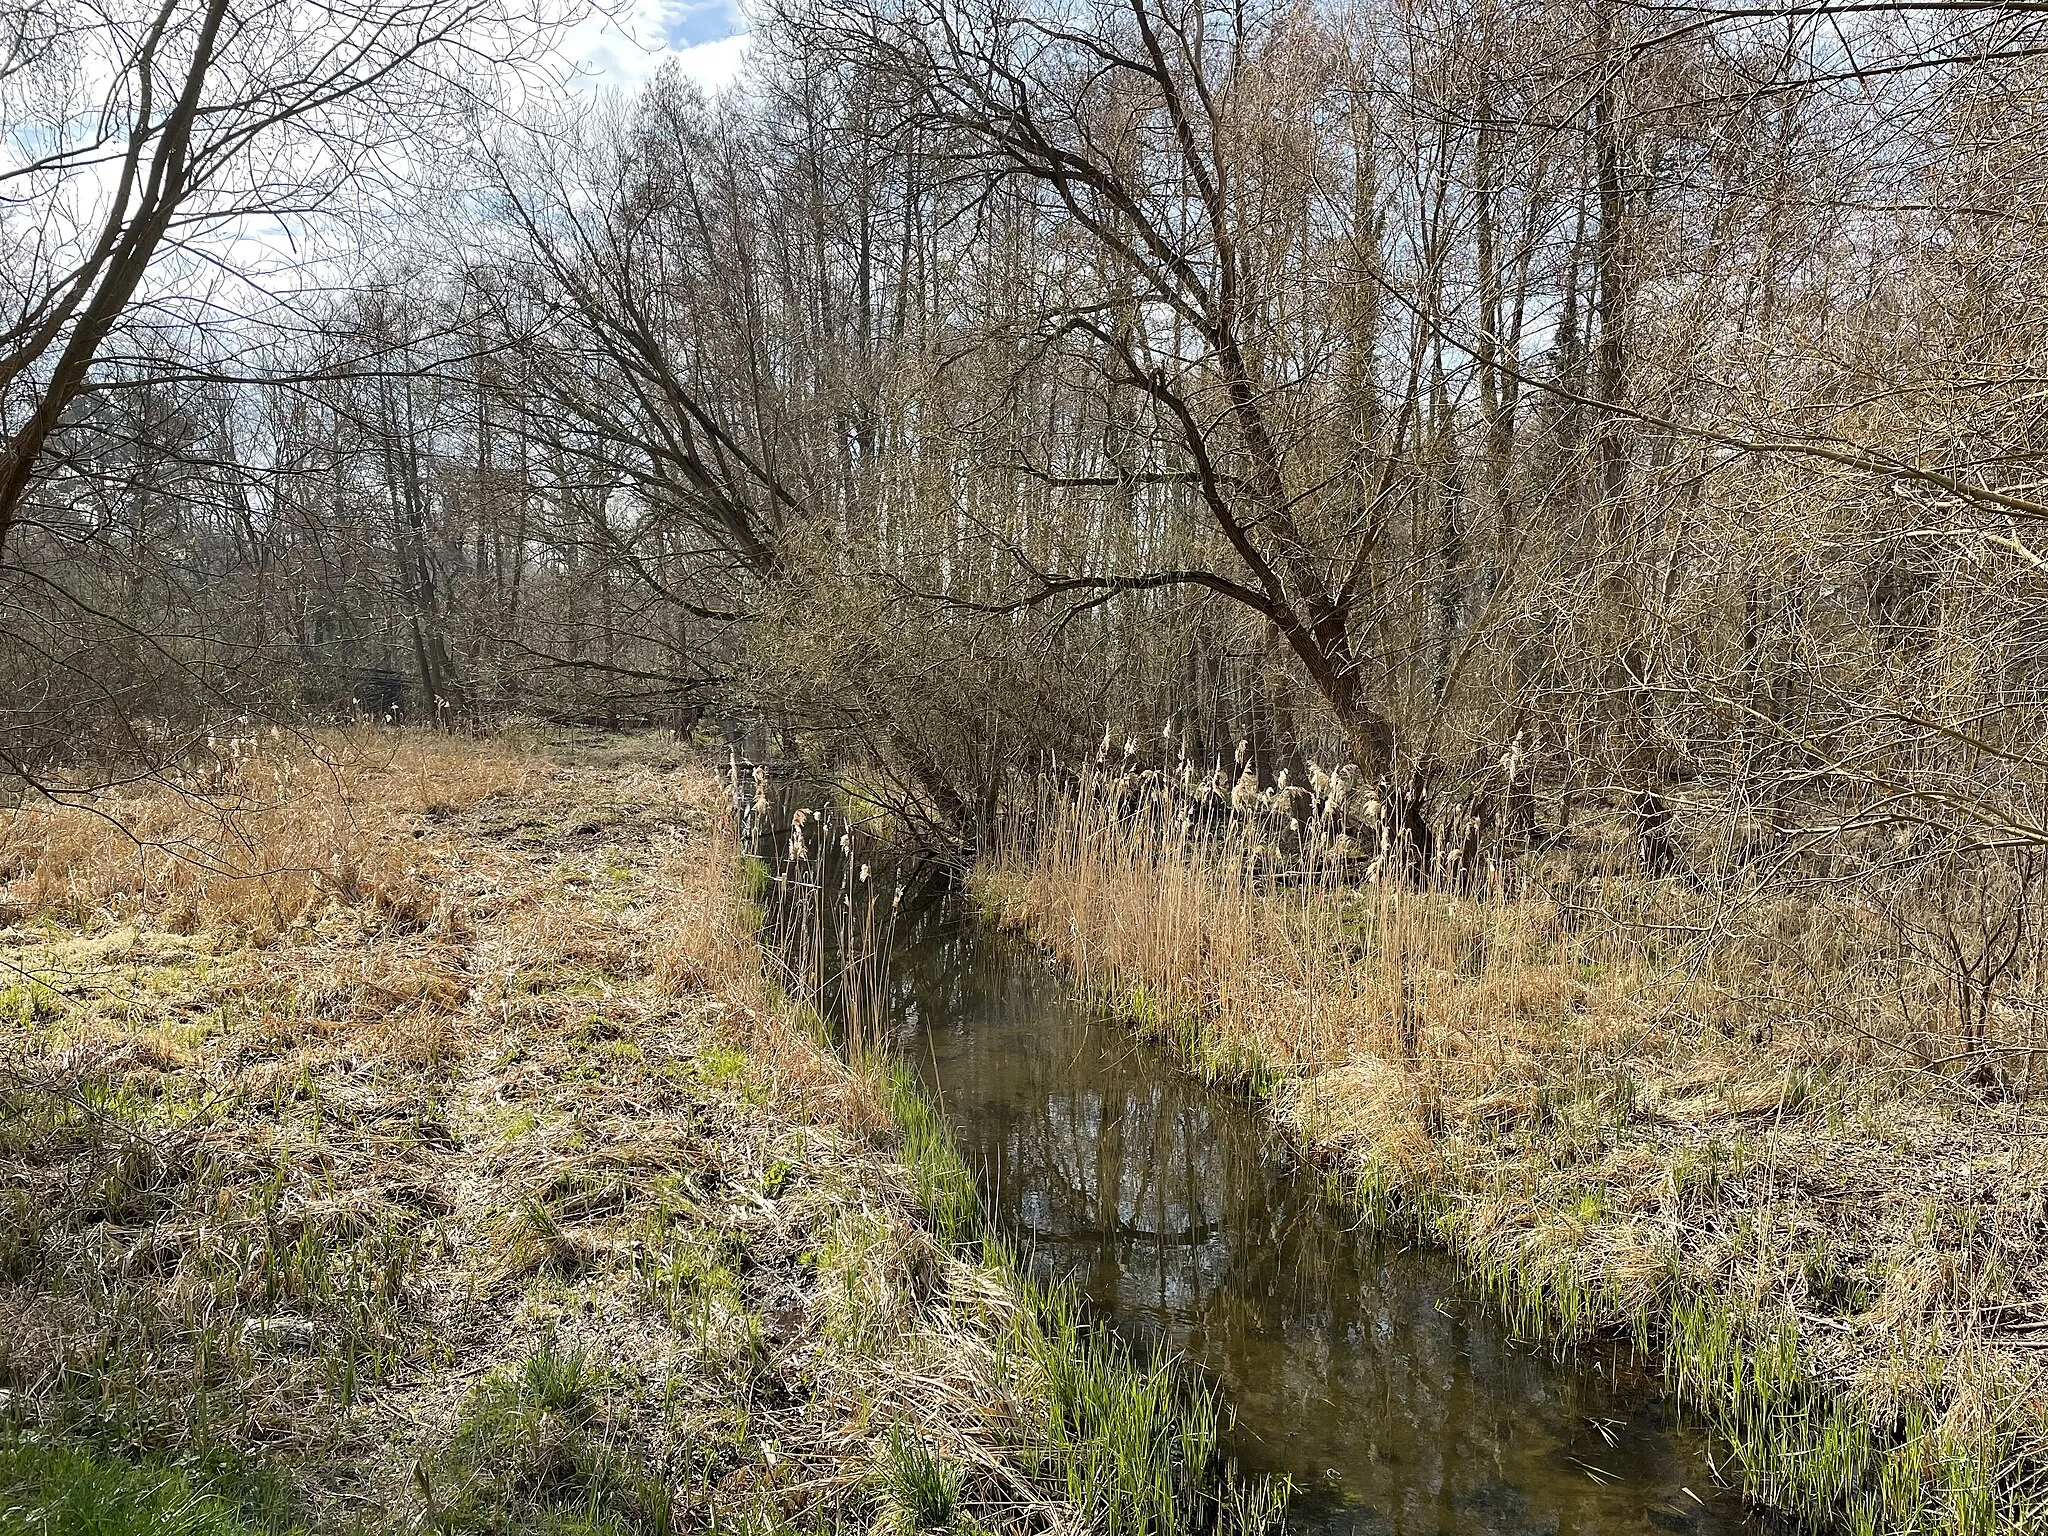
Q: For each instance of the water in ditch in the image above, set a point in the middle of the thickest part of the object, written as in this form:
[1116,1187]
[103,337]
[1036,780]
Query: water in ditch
[1361,1368]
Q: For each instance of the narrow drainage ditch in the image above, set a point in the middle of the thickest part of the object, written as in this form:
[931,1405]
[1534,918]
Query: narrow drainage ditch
[1363,1369]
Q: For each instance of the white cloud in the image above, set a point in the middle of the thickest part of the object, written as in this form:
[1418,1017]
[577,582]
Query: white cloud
[706,39]
[716,63]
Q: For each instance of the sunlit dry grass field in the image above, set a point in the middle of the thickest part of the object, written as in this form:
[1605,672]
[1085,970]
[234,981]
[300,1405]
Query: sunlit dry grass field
[1743,1135]
[397,1133]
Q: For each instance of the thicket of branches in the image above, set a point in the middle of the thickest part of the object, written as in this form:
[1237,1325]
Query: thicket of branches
[1540,405]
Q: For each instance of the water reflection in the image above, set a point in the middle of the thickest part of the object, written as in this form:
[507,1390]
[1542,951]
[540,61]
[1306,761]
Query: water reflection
[1395,1401]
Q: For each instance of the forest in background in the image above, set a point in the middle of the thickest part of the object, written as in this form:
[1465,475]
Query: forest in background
[1552,410]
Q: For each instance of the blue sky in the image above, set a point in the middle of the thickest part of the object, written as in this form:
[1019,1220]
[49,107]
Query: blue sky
[687,23]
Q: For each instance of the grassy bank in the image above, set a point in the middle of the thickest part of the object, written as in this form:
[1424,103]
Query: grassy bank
[401,1136]
[1625,1111]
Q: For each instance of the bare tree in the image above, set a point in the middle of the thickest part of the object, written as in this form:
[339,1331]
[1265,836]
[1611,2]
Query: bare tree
[142,143]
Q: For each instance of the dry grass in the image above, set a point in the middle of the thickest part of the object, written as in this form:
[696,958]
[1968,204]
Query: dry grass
[264,834]
[1712,1127]
[413,1120]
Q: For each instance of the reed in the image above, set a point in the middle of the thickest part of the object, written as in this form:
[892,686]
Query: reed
[1134,1446]
[1700,1123]
[829,918]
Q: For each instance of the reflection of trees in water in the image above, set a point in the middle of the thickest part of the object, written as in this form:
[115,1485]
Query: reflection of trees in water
[1159,1198]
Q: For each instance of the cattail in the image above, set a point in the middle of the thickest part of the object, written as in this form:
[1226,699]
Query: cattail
[1245,795]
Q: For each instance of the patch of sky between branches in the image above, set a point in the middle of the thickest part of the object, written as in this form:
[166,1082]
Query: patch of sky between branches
[706,39]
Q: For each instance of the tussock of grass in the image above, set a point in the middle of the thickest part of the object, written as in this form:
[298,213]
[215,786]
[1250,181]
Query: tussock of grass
[922,1491]
[1628,1112]
[1135,1441]
[944,1186]
[533,1450]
